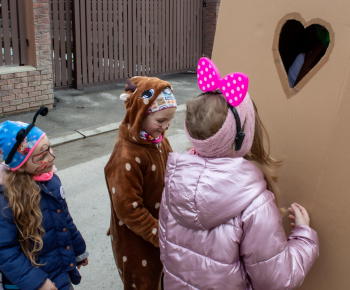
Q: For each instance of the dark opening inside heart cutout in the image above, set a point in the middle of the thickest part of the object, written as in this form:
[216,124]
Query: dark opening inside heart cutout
[301,48]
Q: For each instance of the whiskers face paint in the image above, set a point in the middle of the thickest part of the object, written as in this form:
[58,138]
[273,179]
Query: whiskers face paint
[44,159]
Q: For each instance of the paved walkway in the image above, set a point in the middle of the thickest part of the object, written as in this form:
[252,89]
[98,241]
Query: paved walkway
[82,113]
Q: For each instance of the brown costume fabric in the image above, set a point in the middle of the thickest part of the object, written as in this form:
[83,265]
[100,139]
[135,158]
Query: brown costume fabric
[135,180]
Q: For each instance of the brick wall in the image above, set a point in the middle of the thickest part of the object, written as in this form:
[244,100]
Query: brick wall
[210,16]
[32,86]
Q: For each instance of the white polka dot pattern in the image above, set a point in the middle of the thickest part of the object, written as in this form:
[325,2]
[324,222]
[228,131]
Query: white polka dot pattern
[153,167]
[120,223]
[134,204]
[125,259]
[128,166]
[144,263]
[154,231]
[157,205]
[113,190]
[133,286]
[138,160]
[233,86]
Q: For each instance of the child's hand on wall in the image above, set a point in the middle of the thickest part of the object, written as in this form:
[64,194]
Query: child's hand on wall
[299,215]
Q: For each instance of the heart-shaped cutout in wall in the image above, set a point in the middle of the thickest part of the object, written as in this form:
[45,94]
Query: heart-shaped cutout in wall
[300,50]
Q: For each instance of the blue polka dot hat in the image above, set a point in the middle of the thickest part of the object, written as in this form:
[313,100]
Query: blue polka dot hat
[18,140]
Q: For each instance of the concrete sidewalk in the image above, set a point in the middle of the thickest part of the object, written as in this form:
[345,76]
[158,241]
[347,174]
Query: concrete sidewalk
[83,113]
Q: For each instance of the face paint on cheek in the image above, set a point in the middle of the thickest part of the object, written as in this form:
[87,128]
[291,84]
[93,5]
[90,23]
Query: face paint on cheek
[42,167]
[43,163]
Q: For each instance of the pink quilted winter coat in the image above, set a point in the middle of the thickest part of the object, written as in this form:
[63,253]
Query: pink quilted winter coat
[220,228]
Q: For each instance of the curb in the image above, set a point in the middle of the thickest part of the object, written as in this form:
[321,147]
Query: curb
[82,133]
[89,132]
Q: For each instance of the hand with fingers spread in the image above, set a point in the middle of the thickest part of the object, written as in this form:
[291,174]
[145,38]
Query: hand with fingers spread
[299,215]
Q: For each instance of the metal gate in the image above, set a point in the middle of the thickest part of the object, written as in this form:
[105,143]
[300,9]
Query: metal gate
[99,41]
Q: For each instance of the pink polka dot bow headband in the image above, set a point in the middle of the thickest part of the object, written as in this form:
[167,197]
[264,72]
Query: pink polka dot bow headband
[234,86]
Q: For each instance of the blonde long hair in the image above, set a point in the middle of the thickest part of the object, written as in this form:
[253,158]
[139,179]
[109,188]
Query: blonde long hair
[206,114]
[261,157]
[23,196]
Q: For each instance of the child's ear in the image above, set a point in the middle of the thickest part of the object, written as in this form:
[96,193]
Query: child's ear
[21,169]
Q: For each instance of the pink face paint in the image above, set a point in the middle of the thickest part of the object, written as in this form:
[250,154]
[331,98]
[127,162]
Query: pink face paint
[40,159]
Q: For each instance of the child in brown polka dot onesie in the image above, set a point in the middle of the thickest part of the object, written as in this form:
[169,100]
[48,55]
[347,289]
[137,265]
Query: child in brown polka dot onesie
[135,180]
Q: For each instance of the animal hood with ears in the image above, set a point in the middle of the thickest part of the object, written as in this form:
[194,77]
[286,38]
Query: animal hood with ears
[140,92]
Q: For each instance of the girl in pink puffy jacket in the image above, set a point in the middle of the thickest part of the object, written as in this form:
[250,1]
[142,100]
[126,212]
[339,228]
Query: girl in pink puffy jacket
[219,225]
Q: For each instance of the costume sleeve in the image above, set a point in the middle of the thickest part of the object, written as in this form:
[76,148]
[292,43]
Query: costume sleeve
[124,181]
[13,263]
[272,261]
